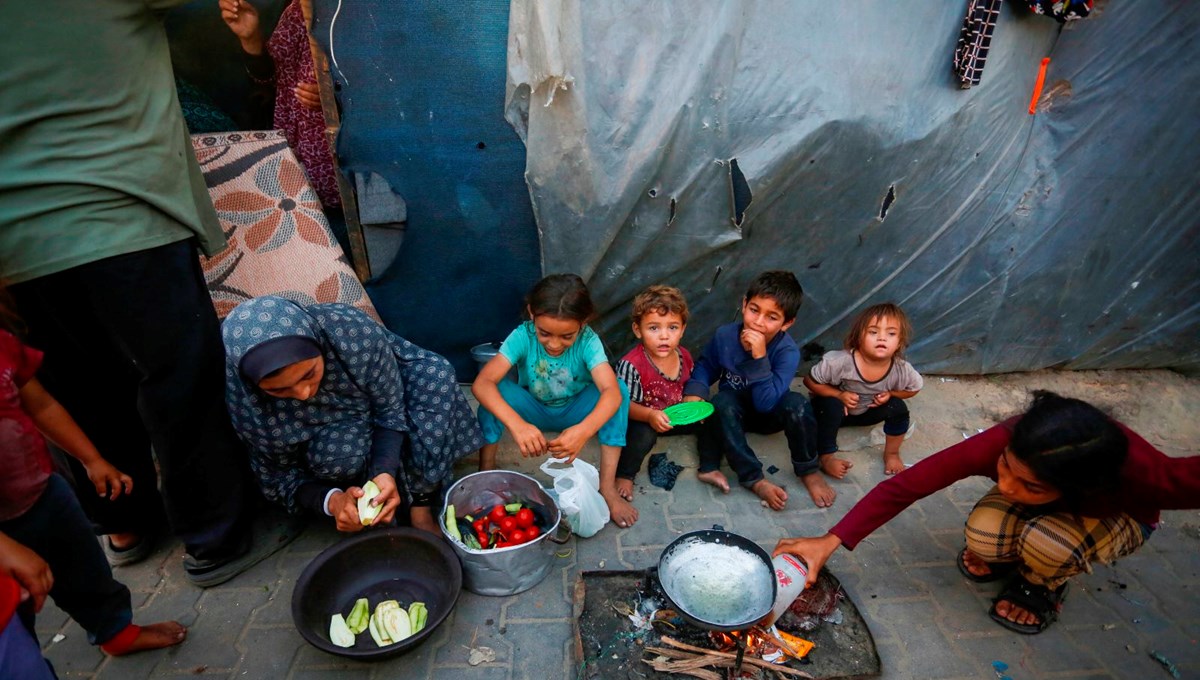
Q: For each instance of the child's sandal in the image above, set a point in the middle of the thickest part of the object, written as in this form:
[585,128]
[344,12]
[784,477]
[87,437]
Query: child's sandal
[1040,601]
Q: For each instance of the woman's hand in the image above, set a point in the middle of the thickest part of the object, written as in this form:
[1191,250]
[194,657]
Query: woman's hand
[569,443]
[814,551]
[389,498]
[308,95]
[27,568]
[660,421]
[108,480]
[881,399]
[343,505]
[530,440]
[242,18]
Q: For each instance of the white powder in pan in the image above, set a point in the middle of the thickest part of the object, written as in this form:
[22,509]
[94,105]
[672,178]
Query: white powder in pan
[716,582]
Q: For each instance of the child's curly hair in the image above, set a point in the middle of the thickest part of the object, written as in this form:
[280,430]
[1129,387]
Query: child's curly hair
[880,311]
[662,299]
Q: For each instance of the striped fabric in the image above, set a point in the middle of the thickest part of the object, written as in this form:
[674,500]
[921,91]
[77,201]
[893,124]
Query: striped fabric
[974,41]
[1052,547]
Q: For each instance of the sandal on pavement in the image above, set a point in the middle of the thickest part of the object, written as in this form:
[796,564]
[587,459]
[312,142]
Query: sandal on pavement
[1040,601]
[123,557]
[270,532]
[998,571]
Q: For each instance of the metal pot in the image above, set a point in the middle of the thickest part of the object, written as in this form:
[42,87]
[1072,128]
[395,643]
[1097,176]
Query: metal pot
[506,571]
[718,580]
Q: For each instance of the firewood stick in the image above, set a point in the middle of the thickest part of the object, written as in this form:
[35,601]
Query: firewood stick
[695,672]
[746,658]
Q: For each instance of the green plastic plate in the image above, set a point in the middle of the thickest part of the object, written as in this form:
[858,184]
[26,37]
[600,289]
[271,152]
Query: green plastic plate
[688,412]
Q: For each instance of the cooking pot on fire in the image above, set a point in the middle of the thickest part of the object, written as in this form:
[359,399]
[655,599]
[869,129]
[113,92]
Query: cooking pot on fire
[718,580]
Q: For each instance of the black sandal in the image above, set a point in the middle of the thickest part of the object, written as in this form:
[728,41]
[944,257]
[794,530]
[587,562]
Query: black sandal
[998,571]
[1037,600]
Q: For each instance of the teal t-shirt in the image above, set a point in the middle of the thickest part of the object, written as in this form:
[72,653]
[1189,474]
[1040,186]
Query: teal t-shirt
[553,380]
[95,160]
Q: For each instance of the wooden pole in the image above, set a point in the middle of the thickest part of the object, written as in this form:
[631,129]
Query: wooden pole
[354,230]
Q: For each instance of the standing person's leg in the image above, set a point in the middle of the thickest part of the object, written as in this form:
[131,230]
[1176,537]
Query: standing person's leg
[96,384]
[829,413]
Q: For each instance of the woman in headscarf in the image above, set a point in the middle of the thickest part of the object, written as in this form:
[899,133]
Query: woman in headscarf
[326,399]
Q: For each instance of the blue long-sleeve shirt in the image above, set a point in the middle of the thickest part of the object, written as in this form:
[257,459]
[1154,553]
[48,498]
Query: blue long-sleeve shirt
[724,360]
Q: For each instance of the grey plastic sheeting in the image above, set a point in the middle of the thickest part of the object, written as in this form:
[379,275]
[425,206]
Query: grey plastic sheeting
[1014,241]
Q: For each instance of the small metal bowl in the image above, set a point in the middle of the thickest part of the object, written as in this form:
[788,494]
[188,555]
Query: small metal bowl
[402,564]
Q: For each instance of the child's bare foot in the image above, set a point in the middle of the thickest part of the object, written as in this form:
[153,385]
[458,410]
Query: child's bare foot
[716,478]
[157,636]
[822,494]
[625,488]
[975,564]
[770,492]
[622,512]
[835,467]
[892,463]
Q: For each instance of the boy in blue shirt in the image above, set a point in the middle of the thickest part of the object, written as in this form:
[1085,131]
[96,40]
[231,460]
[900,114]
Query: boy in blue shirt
[754,361]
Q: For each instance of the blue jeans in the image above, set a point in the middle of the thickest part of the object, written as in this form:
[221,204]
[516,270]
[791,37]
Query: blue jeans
[20,656]
[724,434]
[57,530]
[831,416]
[555,418]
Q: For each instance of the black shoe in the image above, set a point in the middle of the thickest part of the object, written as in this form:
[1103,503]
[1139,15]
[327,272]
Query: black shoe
[271,531]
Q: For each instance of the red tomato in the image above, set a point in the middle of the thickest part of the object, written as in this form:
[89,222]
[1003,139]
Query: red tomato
[498,513]
[525,518]
[480,525]
[502,544]
[507,524]
[532,533]
[517,537]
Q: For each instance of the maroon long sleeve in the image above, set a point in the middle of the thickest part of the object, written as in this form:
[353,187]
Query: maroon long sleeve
[1151,481]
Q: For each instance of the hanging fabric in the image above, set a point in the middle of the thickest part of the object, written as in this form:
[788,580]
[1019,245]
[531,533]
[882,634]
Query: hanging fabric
[974,41]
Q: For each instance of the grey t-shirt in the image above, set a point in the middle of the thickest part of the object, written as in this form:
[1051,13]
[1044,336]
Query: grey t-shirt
[837,368]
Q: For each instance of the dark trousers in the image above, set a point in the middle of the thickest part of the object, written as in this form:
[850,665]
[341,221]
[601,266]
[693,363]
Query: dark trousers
[56,529]
[831,415]
[724,434]
[639,439]
[134,353]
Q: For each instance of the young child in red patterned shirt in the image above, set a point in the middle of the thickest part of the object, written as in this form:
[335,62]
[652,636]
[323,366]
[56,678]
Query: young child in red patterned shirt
[654,373]
[46,541]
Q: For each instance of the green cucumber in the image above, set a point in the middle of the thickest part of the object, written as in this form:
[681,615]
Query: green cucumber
[513,508]
[451,523]
[339,632]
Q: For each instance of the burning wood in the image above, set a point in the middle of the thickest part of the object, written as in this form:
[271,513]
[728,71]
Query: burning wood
[693,664]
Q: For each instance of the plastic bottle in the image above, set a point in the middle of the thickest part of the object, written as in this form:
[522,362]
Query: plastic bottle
[790,575]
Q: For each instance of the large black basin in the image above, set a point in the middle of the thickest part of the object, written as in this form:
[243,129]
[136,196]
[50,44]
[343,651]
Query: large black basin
[399,564]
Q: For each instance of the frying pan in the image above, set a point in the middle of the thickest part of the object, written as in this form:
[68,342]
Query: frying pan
[718,580]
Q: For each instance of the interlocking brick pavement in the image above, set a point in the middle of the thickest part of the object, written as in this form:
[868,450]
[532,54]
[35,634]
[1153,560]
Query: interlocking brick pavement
[927,620]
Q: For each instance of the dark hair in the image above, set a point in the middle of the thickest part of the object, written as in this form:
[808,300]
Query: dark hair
[1070,445]
[662,299]
[780,286]
[562,296]
[880,311]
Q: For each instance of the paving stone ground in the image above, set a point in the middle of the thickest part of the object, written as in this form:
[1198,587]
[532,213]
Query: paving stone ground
[928,622]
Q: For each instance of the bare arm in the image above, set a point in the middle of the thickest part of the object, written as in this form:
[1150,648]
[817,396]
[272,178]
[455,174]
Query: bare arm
[571,440]
[529,439]
[821,389]
[53,421]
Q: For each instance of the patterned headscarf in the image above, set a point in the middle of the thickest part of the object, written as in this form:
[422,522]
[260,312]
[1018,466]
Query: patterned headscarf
[373,378]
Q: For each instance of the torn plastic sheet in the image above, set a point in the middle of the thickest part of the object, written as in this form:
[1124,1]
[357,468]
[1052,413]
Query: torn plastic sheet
[1064,239]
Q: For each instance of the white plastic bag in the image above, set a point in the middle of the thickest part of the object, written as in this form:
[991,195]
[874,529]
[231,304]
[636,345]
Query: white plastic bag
[577,487]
